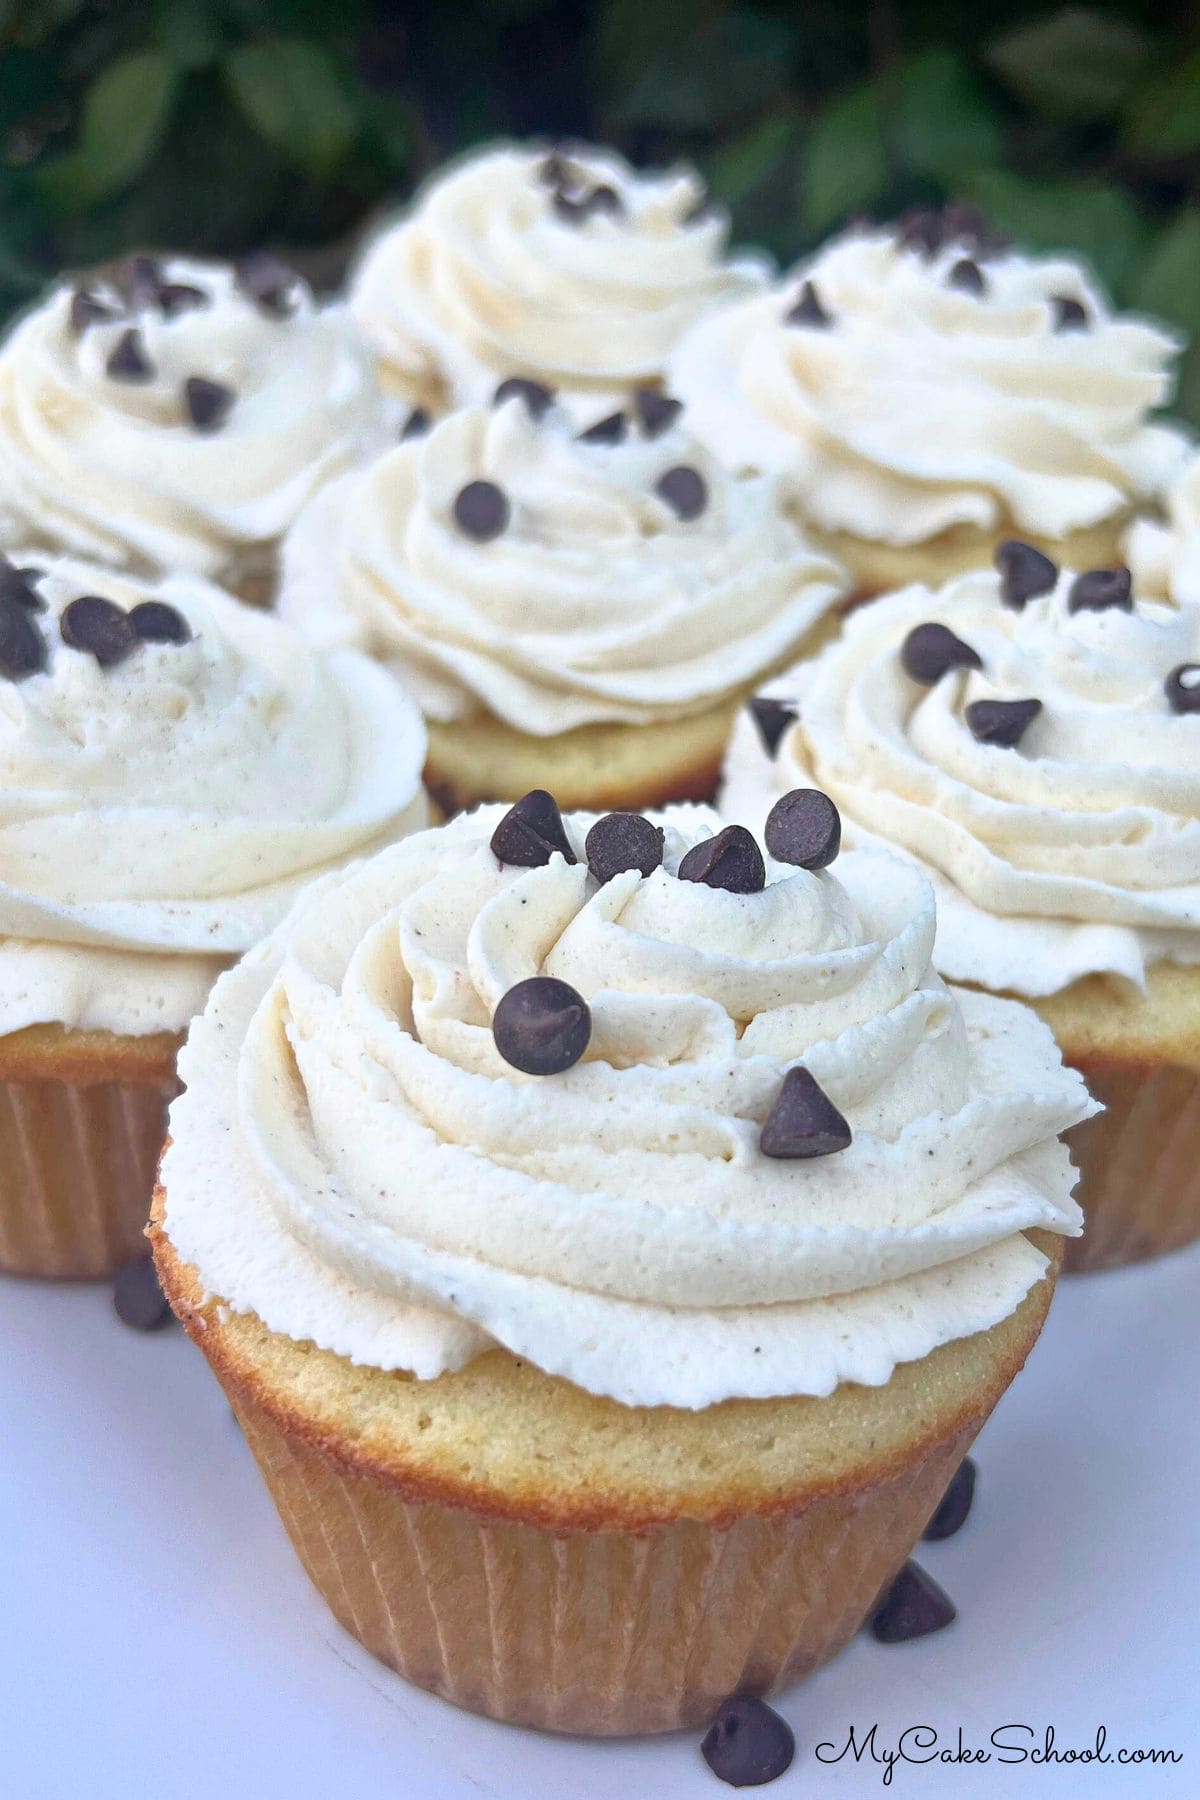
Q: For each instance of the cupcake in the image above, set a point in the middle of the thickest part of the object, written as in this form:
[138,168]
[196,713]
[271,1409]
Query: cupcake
[174,416]
[173,768]
[581,613]
[1164,552]
[927,392]
[566,268]
[1032,739]
[610,1241]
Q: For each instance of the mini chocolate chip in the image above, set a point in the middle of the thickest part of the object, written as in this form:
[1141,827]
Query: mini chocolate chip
[542,1026]
[656,412]
[18,587]
[98,627]
[1024,573]
[685,491]
[1098,589]
[967,275]
[963,221]
[267,281]
[804,829]
[481,510]
[748,1744]
[140,277]
[570,208]
[1069,314]
[208,403]
[531,831]
[1001,722]
[803,1122]
[180,296]
[128,361]
[418,424]
[955,1504]
[913,1606]
[931,651]
[610,430]
[555,171]
[22,646]
[808,309]
[772,718]
[537,396]
[1183,688]
[921,230]
[621,841]
[604,199]
[730,860]
[138,1300]
[87,310]
[154,622]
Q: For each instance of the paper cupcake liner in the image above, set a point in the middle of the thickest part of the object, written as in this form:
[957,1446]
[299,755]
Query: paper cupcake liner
[1139,1165]
[599,1632]
[77,1170]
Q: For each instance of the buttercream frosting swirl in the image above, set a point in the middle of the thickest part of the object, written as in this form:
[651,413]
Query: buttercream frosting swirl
[1164,553]
[1074,852]
[395,1191]
[597,601]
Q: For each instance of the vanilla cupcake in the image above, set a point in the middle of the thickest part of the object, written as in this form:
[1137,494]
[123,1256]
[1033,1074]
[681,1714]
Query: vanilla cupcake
[174,767]
[1164,552]
[592,1219]
[568,268]
[172,416]
[1032,739]
[927,392]
[578,612]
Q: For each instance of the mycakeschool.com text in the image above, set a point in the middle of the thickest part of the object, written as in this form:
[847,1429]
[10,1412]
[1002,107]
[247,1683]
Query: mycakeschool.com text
[1037,1747]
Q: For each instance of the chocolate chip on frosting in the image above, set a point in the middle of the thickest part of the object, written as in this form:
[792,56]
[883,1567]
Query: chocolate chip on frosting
[913,1606]
[967,276]
[87,309]
[1098,589]
[1182,688]
[22,646]
[730,860]
[621,841]
[748,1744]
[418,424]
[808,309]
[576,209]
[954,1505]
[542,1026]
[1024,573]
[537,396]
[179,296]
[931,651]
[772,717]
[267,281]
[1069,314]
[481,510]
[685,491]
[609,430]
[1001,722]
[128,360]
[98,627]
[18,586]
[139,278]
[656,412]
[154,622]
[804,829]
[531,831]
[208,403]
[803,1122]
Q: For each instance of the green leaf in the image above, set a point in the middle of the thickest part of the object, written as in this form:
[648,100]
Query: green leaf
[290,92]
[845,166]
[125,114]
[1168,284]
[1075,64]
[944,122]
[1090,218]
[187,32]
[1164,116]
[746,161]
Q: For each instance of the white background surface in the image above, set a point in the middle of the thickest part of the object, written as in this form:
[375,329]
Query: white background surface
[157,1637]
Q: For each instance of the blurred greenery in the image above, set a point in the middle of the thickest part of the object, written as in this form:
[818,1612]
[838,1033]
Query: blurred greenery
[221,124]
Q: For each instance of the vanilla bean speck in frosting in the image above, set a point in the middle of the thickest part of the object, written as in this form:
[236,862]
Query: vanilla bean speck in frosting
[504,564]
[676,1139]
[173,768]
[1032,738]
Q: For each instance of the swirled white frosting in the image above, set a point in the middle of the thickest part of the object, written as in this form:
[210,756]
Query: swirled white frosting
[484,279]
[596,602]
[1078,851]
[1165,554]
[159,815]
[394,1191]
[113,469]
[921,407]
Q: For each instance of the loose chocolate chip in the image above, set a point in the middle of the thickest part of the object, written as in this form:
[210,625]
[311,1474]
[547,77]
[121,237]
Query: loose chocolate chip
[804,828]
[531,831]
[1183,688]
[1098,589]
[808,309]
[1024,573]
[208,403]
[268,282]
[656,412]
[138,1300]
[610,430]
[1069,314]
[154,622]
[542,1026]
[98,627]
[1001,722]
[803,1122]
[955,1504]
[621,841]
[967,275]
[685,491]
[730,860]
[481,510]
[87,310]
[22,646]
[18,587]
[931,651]
[179,296]
[537,396]
[913,1606]
[128,361]
[772,718]
[418,424]
[748,1744]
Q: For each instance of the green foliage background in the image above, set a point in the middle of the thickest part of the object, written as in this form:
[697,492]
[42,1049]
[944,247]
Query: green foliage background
[222,124]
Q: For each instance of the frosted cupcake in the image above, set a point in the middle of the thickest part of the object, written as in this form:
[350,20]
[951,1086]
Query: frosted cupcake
[592,1219]
[1164,552]
[927,392]
[1033,740]
[578,612]
[569,268]
[174,416]
[173,768]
